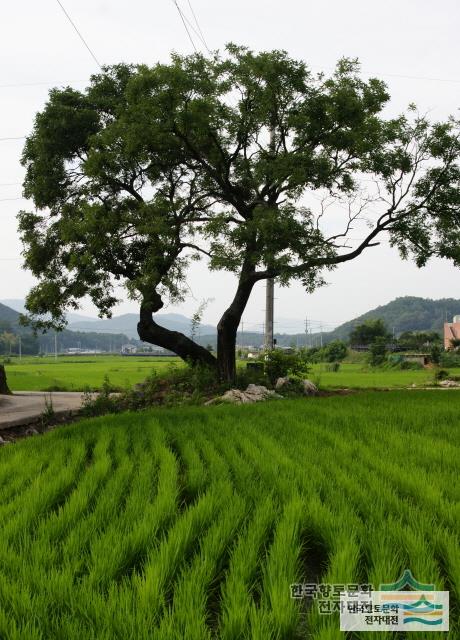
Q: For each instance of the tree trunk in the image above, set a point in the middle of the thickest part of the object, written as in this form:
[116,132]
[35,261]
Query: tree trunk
[226,344]
[3,384]
[228,327]
[185,348]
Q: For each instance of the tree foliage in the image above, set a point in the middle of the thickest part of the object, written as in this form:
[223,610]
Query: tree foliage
[368,331]
[151,168]
[335,351]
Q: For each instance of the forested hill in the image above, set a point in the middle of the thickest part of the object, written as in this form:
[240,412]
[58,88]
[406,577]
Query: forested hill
[402,314]
[8,315]
[406,314]
[44,343]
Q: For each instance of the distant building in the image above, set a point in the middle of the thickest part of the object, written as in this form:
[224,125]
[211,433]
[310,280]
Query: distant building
[129,348]
[451,332]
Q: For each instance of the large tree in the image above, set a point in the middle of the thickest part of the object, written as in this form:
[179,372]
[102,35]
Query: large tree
[234,159]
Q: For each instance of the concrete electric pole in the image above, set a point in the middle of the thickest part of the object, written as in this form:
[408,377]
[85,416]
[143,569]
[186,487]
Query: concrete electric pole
[270,290]
[269,313]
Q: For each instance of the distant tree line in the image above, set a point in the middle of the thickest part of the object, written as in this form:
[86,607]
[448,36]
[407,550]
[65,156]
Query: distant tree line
[13,336]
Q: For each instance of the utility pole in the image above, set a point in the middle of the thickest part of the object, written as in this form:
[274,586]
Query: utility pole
[306,331]
[269,312]
[55,346]
[270,290]
[321,334]
[20,348]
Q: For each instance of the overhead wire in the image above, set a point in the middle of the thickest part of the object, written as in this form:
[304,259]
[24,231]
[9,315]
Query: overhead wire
[185,25]
[203,39]
[79,34]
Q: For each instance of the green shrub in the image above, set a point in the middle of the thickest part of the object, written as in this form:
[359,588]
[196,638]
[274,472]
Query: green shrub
[378,352]
[102,402]
[335,351]
[449,359]
[278,364]
[441,374]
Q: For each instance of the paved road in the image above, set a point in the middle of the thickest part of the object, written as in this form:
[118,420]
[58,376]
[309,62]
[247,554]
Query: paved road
[25,407]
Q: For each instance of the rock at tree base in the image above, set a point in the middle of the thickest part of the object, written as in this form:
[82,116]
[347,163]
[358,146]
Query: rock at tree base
[3,384]
[253,393]
[308,387]
[449,384]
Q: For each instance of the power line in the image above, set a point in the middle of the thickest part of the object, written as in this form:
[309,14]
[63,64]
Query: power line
[79,34]
[198,25]
[13,138]
[185,25]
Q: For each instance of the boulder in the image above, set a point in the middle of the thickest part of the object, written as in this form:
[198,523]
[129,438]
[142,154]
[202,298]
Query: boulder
[282,382]
[307,386]
[449,384]
[253,393]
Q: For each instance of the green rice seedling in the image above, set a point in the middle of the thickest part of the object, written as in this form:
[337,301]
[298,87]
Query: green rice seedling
[44,494]
[125,550]
[170,555]
[194,522]
[277,616]
[192,613]
[195,475]
[244,569]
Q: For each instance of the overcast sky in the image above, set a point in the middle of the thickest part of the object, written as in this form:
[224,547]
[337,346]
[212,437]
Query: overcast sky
[412,45]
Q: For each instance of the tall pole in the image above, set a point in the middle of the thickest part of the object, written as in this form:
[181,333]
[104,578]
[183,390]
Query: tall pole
[20,348]
[270,290]
[306,332]
[269,313]
[55,346]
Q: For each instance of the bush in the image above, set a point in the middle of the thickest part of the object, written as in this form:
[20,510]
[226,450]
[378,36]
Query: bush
[449,359]
[335,351]
[441,374]
[333,366]
[408,365]
[435,354]
[378,352]
[101,403]
[278,364]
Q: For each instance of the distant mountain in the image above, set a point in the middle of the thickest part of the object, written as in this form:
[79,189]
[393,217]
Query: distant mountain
[45,342]
[127,324]
[405,314]
[18,305]
[123,324]
[8,315]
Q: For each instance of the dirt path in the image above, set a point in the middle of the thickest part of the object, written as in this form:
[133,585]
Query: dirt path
[27,407]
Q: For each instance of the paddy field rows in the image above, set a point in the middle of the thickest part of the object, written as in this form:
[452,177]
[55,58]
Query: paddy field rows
[194,522]
[77,373]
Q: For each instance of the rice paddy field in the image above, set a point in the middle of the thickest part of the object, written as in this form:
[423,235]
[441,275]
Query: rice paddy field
[77,373]
[193,522]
